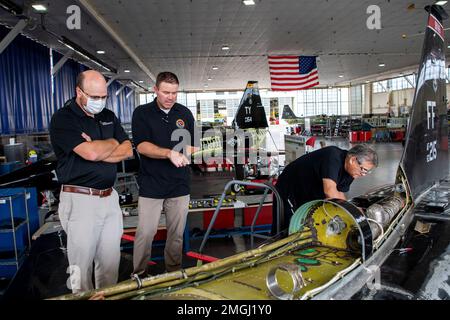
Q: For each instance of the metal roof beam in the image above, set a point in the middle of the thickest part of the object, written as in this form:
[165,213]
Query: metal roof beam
[18,28]
[92,11]
[61,62]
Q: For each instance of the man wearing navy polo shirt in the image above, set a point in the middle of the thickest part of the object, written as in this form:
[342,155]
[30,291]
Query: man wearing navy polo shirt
[89,141]
[322,174]
[163,133]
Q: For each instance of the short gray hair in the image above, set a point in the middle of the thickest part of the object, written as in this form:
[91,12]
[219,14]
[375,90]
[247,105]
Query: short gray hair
[363,152]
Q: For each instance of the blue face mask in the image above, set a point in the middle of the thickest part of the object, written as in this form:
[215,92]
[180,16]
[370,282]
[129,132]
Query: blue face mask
[95,106]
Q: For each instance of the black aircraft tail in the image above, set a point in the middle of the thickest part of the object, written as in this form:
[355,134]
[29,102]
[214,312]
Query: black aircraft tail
[251,113]
[288,114]
[425,157]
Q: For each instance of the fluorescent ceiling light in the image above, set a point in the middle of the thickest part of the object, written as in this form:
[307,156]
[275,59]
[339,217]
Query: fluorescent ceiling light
[39,7]
[225,48]
[209,79]
[381,65]
[140,81]
[249,2]
[101,52]
[215,67]
[441,3]
[341,76]
[126,71]
[88,56]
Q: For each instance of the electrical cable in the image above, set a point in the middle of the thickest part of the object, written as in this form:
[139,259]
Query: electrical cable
[379,226]
[325,210]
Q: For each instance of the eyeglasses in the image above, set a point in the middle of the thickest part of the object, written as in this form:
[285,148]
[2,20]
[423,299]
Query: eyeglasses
[95,98]
[363,170]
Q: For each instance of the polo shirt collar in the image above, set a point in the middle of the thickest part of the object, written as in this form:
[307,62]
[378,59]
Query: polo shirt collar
[73,105]
[345,173]
[158,109]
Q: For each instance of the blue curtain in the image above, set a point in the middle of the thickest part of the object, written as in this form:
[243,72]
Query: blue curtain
[26,101]
[65,80]
[64,87]
[25,86]
[121,105]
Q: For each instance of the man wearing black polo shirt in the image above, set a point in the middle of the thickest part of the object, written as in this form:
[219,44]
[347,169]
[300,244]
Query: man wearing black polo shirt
[161,129]
[88,141]
[322,174]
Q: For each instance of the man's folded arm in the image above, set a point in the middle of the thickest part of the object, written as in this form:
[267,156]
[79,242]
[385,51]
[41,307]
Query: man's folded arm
[97,150]
[122,152]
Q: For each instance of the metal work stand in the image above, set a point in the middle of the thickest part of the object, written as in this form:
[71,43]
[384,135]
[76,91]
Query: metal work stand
[267,188]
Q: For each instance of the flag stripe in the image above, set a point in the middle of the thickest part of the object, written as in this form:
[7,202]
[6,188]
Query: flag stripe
[284,68]
[283,62]
[283,73]
[292,72]
[283,57]
[293,83]
[294,88]
[293,76]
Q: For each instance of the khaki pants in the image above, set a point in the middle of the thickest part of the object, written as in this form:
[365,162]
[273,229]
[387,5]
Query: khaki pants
[94,227]
[176,210]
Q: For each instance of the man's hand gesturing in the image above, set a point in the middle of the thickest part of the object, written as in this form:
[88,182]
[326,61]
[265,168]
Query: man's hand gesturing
[178,159]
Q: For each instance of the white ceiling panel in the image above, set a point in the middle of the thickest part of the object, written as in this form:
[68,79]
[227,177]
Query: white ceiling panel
[186,36]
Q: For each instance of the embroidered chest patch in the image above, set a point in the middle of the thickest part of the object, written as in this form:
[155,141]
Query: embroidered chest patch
[180,124]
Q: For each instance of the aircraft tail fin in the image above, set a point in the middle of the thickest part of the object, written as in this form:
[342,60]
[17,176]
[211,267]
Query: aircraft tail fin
[288,114]
[425,156]
[251,113]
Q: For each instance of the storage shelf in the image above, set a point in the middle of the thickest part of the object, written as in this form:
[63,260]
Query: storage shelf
[7,230]
[14,231]
[11,263]
[3,199]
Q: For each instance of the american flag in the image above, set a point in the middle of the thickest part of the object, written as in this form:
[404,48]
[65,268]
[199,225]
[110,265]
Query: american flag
[293,72]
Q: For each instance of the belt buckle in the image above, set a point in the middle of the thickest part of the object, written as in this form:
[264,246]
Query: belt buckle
[103,193]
